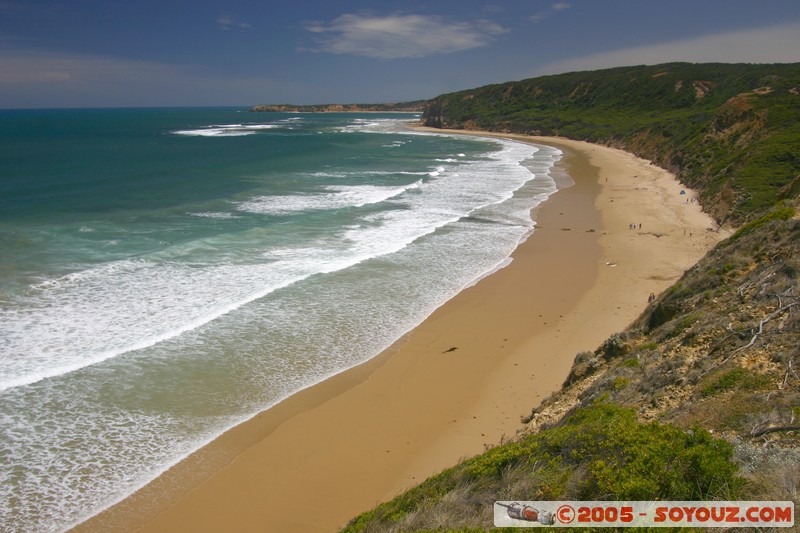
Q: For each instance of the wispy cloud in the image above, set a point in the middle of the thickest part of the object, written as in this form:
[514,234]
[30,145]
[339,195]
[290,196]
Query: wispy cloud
[399,36]
[227,22]
[33,66]
[772,44]
[38,77]
[545,13]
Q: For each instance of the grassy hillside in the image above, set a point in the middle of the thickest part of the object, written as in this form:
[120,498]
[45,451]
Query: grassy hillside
[730,131]
[699,398]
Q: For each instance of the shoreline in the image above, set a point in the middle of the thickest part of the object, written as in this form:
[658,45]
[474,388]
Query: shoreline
[366,434]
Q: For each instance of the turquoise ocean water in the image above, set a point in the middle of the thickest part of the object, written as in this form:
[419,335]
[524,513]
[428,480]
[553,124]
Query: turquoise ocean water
[166,274]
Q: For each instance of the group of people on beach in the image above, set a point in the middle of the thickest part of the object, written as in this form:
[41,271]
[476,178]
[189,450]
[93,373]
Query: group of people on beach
[633,225]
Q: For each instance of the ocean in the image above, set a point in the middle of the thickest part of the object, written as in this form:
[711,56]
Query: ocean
[166,274]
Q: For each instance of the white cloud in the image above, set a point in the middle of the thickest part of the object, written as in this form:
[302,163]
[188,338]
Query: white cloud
[226,22]
[399,36]
[773,44]
[554,8]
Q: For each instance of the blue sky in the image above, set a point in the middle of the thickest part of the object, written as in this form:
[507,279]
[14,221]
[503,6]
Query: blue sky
[107,53]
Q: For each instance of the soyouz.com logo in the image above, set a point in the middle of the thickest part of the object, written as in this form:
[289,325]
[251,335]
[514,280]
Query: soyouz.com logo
[643,514]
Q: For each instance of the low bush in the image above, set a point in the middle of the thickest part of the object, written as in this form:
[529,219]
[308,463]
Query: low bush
[597,453]
[736,378]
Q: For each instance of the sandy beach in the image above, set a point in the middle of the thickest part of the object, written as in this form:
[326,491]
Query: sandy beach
[458,382]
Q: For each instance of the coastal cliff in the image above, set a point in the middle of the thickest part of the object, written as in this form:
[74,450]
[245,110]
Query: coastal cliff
[729,131]
[699,398]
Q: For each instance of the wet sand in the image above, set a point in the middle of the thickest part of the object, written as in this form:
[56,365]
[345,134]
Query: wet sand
[458,382]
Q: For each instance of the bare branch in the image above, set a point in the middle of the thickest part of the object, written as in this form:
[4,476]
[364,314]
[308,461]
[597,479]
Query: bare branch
[773,429]
[761,328]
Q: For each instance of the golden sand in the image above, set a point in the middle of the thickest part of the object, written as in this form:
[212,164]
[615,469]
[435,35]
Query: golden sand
[458,382]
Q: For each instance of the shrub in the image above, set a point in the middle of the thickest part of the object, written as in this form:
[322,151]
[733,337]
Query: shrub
[737,378]
[620,383]
[782,212]
[633,362]
[599,452]
[627,460]
[613,347]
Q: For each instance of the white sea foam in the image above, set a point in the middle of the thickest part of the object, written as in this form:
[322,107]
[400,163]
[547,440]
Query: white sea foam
[337,197]
[96,314]
[214,214]
[437,172]
[366,173]
[372,125]
[227,130]
[395,144]
[252,324]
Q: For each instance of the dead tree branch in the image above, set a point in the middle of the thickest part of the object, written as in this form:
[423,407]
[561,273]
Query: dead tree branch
[761,328]
[773,429]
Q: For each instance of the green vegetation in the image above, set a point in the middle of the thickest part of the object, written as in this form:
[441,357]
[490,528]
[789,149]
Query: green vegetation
[730,131]
[598,452]
[737,378]
[781,212]
[632,362]
[720,349]
[728,363]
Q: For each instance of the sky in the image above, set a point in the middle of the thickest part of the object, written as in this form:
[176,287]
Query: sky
[145,53]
